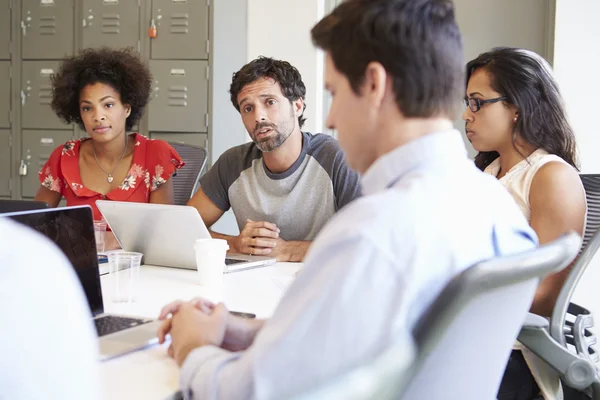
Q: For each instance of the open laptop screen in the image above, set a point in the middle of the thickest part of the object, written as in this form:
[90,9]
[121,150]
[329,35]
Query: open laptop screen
[72,229]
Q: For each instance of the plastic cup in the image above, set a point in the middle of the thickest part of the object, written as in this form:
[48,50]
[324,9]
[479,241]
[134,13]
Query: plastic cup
[99,232]
[124,275]
[210,262]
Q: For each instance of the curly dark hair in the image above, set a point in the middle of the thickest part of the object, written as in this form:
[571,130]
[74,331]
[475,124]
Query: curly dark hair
[121,69]
[527,80]
[286,75]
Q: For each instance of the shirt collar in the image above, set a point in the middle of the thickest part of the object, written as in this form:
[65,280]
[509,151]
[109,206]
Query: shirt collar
[433,147]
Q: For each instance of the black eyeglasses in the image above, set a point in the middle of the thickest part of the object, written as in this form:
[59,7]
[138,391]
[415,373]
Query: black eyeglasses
[475,104]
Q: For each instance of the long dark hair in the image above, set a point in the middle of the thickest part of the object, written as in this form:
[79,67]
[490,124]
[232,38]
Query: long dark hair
[527,80]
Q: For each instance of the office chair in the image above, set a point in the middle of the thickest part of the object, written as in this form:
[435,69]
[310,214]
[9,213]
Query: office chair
[185,180]
[463,340]
[566,341]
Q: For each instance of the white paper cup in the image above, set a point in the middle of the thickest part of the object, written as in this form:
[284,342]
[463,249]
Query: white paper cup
[210,262]
[124,275]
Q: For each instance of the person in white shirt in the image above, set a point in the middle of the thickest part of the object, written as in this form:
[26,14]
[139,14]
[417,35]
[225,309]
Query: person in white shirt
[395,72]
[515,117]
[49,348]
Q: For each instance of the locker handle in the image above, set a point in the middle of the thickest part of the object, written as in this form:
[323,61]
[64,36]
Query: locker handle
[24,28]
[23,168]
[23,98]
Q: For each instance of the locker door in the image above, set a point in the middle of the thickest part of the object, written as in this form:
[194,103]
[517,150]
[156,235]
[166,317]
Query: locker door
[36,147]
[47,29]
[4,29]
[110,23]
[195,139]
[182,29]
[179,100]
[36,95]
[4,94]
[5,163]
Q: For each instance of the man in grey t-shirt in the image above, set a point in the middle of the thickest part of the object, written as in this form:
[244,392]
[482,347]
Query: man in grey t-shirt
[285,185]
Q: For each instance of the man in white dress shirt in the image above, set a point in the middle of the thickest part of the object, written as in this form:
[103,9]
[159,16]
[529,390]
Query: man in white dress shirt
[395,72]
[49,348]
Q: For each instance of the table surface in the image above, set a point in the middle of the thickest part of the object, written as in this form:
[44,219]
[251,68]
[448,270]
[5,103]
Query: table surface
[150,373]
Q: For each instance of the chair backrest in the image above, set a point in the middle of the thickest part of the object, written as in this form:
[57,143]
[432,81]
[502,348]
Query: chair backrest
[381,379]
[185,181]
[591,243]
[465,337]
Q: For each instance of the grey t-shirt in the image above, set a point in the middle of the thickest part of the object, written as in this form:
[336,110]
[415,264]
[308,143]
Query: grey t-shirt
[299,201]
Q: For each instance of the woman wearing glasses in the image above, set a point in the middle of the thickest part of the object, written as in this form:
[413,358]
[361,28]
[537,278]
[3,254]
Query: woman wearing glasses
[515,118]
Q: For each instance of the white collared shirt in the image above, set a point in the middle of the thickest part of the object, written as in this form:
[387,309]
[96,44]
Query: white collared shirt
[49,348]
[427,213]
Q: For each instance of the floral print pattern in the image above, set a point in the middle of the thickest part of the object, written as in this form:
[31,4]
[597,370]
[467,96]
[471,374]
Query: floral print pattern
[136,171]
[157,179]
[52,183]
[68,147]
[153,164]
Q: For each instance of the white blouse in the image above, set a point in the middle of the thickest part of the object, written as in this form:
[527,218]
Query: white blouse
[518,179]
[518,182]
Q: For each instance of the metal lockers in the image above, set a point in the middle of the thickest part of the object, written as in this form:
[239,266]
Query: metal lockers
[4,29]
[195,139]
[47,29]
[110,23]
[4,94]
[5,163]
[36,95]
[179,100]
[182,30]
[36,147]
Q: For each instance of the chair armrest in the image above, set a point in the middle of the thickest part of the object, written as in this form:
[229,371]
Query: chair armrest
[535,321]
[578,373]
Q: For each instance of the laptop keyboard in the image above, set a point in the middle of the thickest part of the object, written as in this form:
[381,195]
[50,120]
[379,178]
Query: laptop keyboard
[110,324]
[231,261]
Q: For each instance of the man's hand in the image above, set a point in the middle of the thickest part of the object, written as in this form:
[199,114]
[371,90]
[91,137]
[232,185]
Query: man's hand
[191,328]
[239,332]
[290,251]
[257,238]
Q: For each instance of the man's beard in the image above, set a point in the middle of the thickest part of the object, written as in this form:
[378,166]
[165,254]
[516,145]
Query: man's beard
[279,135]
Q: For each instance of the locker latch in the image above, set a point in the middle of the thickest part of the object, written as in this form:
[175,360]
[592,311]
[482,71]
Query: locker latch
[152,31]
[23,168]
[24,28]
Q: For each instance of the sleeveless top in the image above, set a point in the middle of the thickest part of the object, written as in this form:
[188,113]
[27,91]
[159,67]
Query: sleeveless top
[518,179]
[518,183]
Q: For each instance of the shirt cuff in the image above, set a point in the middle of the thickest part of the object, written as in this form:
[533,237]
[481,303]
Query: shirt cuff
[198,374]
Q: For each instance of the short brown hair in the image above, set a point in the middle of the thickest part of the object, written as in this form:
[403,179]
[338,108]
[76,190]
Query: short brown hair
[416,41]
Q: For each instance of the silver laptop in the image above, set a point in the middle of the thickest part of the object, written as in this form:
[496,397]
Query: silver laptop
[72,229]
[166,234]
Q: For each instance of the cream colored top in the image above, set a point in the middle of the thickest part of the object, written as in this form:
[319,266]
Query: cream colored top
[518,179]
[518,182]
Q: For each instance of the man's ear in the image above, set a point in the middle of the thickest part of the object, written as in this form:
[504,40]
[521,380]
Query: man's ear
[375,83]
[298,105]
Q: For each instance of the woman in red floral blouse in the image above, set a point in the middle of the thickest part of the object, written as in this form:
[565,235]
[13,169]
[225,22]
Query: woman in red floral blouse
[105,92]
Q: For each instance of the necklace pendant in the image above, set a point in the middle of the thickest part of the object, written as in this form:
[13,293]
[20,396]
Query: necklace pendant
[109,178]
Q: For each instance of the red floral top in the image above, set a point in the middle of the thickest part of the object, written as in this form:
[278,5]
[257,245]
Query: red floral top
[154,161]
